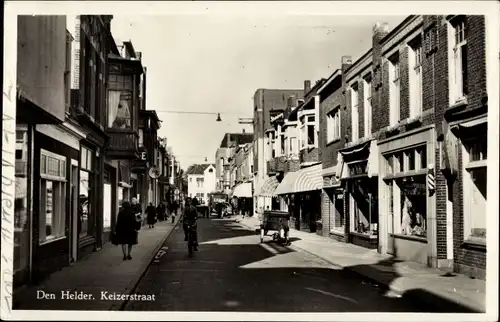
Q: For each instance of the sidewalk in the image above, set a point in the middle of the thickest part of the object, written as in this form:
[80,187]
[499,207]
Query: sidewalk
[427,285]
[104,270]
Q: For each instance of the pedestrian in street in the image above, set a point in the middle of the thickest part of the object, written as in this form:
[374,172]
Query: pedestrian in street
[151,215]
[160,211]
[127,229]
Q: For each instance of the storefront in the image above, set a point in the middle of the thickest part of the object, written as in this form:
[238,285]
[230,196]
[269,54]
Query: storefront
[333,219]
[407,206]
[469,193]
[302,191]
[266,197]
[359,173]
[55,164]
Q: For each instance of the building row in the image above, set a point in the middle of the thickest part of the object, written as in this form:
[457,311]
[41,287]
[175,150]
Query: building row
[388,152]
[85,141]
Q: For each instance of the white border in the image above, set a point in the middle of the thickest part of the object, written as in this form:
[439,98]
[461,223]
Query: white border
[490,9]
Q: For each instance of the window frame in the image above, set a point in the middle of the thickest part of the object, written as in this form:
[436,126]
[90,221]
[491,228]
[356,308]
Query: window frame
[307,119]
[415,49]
[394,89]
[333,124]
[60,180]
[468,167]
[367,106]
[458,87]
[354,92]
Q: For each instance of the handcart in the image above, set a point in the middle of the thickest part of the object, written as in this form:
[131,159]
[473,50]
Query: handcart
[277,222]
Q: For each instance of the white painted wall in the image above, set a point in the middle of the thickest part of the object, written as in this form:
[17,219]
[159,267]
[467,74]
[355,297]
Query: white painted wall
[209,182]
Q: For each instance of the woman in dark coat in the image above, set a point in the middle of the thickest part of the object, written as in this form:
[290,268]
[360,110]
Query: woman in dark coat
[160,211]
[151,215]
[126,229]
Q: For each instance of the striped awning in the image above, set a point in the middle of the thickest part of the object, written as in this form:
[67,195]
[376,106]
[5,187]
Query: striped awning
[269,187]
[243,190]
[309,179]
[287,184]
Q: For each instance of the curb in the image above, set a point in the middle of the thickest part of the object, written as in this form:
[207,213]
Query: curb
[431,302]
[134,283]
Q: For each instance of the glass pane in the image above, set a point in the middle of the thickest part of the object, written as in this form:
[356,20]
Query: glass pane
[399,161]
[49,209]
[422,151]
[411,159]
[83,158]
[43,166]
[463,59]
[89,160]
[107,207]
[413,206]
[389,164]
[478,202]
[119,109]
[84,210]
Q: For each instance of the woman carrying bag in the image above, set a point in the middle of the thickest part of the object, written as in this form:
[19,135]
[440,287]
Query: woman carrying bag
[126,230]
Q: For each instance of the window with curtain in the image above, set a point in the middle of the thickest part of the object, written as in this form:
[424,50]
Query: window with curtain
[416,77]
[86,189]
[120,102]
[394,90]
[458,75]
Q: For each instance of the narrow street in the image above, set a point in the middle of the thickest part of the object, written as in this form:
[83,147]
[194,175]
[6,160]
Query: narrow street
[232,271]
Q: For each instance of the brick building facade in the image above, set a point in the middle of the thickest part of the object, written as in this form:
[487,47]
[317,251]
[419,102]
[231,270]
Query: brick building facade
[410,111]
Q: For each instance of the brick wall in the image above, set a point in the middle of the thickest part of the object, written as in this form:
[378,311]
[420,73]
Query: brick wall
[436,97]
[329,155]
[309,155]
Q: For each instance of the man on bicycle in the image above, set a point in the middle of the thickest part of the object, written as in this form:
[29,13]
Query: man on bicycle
[190,217]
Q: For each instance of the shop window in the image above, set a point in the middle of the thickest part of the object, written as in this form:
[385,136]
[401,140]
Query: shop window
[475,188]
[52,219]
[86,189]
[21,217]
[363,204]
[336,212]
[413,206]
[107,207]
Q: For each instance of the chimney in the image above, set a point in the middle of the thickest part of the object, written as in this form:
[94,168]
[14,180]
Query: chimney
[346,63]
[307,86]
[139,55]
[380,30]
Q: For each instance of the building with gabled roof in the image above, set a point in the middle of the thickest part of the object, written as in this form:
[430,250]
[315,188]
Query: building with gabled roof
[201,181]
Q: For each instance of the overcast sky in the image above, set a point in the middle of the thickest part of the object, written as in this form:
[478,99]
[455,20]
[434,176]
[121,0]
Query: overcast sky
[215,63]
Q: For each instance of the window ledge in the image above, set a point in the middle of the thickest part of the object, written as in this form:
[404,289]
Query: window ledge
[410,237]
[365,236]
[333,141]
[459,103]
[337,232]
[475,243]
[50,241]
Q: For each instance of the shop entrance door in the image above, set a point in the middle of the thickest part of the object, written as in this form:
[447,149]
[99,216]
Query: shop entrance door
[73,240]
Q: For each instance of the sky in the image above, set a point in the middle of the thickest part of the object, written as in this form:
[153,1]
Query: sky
[215,63]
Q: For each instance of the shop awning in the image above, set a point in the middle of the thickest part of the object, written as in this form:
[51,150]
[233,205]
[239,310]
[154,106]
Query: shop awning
[243,190]
[309,179]
[269,187]
[287,184]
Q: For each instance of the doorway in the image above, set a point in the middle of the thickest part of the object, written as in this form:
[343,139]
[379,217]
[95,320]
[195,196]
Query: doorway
[73,240]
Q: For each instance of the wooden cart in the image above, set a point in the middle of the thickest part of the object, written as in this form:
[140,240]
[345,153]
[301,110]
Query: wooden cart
[273,221]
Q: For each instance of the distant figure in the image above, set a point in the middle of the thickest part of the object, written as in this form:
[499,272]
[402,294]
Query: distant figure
[151,215]
[126,229]
[160,211]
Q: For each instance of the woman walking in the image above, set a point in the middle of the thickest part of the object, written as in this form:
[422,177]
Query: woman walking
[126,230]
[151,215]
